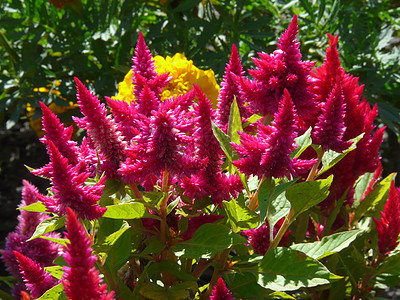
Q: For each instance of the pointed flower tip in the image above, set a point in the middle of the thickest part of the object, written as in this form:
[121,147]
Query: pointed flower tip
[221,292]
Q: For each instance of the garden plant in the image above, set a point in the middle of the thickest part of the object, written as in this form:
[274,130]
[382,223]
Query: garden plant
[266,183]
[270,183]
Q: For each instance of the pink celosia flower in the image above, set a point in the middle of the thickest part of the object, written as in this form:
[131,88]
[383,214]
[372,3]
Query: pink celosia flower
[81,279]
[60,136]
[329,130]
[229,90]
[101,129]
[209,180]
[388,226]
[40,250]
[125,115]
[277,72]
[221,292]
[35,277]
[269,153]
[259,238]
[324,79]
[69,189]
[144,72]
[161,143]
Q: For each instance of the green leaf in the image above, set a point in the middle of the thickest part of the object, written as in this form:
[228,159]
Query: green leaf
[48,225]
[328,245]
[208,240]
[273,204]
[224,141]
[240,216]
[135,210]
[105,246]
[119,253]
[331,158]
[375,200]
[173,268]
[361,186]
[154,246]
[55,240]
[303,142]
[254,118]
[55,271]
[154,198]
[305,195]
[235,122]
[56,292]
[179,291]
[35,207]
[284,269]
[245,285]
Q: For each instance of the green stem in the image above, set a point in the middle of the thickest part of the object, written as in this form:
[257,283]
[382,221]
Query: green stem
[254,199]
[314,169]
[282,230]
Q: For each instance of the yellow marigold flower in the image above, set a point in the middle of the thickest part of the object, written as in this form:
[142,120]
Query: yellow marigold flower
[183,74]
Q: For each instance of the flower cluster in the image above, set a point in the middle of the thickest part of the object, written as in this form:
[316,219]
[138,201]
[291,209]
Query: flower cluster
[161,174]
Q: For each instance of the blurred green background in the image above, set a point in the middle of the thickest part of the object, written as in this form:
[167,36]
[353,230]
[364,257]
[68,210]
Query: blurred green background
[45,43]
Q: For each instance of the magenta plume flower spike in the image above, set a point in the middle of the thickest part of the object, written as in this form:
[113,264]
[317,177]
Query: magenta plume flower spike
[143,63]
[60,136]
[41,250]
[330,128]
[388,226]
[221,292]
[209,181]
[70,191]
[268,154]
[81,279]
[35,277]
[282,70]
[229,89]
[101,129]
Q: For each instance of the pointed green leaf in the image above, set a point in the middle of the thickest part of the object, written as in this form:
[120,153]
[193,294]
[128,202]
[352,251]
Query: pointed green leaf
[55,240]
[208,240]
[273,204]
[240,216]
[254,118]
[55,271]
[374,201]
[48,225]
[224,141]
[105,246]
[125,211]
[328,245]
[235,122]
[55,293]
[361,186]
[303,142]
[35,207]
[119,252]
[331,158]
[284,269]
[305,195]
